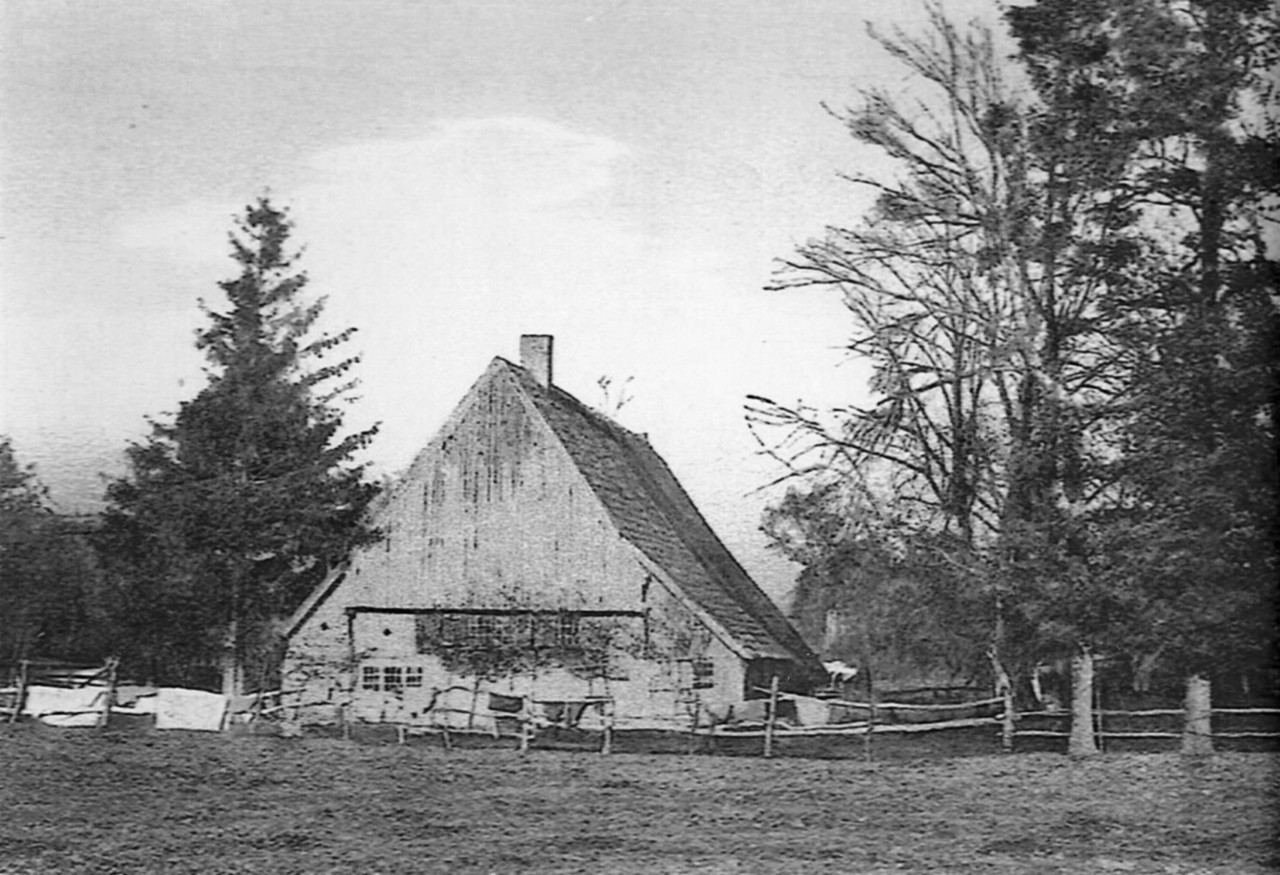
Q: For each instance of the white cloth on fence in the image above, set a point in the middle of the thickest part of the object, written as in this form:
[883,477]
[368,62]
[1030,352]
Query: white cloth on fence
[811,711]
[127,694]
[461,708]
[60,706]
[751,711]
[144,704]
[178,708]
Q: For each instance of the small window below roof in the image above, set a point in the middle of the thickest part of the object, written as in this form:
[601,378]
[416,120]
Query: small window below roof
[704,673]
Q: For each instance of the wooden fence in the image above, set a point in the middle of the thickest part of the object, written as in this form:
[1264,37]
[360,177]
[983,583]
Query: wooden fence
[849,729]
[1151,729]
[101,706]
[868,729]
[99,680]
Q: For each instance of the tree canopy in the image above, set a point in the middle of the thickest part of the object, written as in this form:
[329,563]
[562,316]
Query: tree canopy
[47,572]
[1176,99]
[1070,311]
[234,509]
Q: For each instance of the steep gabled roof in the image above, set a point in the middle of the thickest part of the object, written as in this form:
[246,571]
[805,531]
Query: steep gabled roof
[652,511]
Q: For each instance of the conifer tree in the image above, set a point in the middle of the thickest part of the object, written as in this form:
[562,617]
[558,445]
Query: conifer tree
[232,511]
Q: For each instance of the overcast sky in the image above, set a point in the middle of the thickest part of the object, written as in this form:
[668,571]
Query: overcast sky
[619,174]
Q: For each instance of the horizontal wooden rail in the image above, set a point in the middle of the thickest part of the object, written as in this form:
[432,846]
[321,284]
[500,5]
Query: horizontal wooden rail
[904,705]
[1246,710]
[1154,712]
[1049,733]
[851,729]
[1245,734]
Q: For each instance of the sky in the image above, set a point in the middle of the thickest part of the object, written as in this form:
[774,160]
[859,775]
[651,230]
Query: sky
[623,175]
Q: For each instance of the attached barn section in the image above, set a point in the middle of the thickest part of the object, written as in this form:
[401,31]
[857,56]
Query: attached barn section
[537,549]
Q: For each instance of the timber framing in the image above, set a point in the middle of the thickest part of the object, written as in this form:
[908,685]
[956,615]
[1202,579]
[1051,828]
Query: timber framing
[352,610]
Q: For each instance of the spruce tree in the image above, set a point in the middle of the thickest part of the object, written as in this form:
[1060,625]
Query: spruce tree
[233,511]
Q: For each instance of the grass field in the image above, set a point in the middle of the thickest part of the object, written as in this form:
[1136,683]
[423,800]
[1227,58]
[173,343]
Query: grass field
[77,801]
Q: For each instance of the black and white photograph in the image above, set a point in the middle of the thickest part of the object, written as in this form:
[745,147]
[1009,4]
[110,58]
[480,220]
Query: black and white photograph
[639,436]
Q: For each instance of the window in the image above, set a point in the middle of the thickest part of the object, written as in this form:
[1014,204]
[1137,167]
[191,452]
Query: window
[518,629]
[539,629]
[567,630]
[453,629]
[393,678]
[484,628]
[704,674]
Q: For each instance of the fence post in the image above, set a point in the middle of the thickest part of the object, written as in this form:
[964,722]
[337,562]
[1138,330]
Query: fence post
[871,714]
[22,691]
[694,713]
[1097,714]
[475,703]
[526,722]
[1007,719]
[607,707]
[112,663]
[771,717]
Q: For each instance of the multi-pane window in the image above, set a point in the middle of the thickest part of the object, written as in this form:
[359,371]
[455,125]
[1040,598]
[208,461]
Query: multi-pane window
[391,678]
[533,629]
[567,630]
[704,674]
[484,628]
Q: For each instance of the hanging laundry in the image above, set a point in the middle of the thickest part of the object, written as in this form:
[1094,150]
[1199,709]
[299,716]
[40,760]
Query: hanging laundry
[811,711]
[60,706]
[505,704]
[751,711]
[177,708]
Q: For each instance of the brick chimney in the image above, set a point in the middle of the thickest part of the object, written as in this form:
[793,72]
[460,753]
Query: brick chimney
[535,356]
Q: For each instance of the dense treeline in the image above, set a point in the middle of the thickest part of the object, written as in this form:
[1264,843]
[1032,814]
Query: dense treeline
[1067,296]
[50,599]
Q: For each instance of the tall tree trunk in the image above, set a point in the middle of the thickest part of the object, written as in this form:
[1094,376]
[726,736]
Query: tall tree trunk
[230,661]
[1082,742]
[1004,689]
[1197,734]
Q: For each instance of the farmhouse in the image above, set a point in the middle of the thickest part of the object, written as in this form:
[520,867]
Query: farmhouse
[537,549]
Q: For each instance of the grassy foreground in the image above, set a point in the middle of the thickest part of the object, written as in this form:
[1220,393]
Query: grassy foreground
[76,801]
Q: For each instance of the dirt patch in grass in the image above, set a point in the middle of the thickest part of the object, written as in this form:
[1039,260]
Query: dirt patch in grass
[83,802]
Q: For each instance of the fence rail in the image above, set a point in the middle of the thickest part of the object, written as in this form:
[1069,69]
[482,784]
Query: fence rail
[460,712]
[1153,724]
